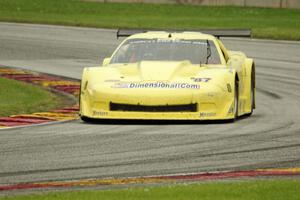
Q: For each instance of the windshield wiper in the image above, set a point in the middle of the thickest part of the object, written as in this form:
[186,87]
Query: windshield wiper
[208,51]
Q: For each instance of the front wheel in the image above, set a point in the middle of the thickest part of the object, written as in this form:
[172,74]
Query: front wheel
[86,119]
[236,100]
[252,98]
[252,94]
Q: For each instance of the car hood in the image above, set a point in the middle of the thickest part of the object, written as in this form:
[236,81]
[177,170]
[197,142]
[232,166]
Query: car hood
[160,82]
[152,71]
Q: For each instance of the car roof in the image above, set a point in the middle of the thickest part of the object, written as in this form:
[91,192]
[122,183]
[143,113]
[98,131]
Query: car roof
[176,35]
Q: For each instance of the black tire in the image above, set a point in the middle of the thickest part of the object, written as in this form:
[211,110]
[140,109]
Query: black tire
[86,119]
[252,93]
[236,100]
[252,98]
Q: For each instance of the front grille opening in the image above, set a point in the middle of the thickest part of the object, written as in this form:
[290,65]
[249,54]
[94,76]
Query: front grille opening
[157,108]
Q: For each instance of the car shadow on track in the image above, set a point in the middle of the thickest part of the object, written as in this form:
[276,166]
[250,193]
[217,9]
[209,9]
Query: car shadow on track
[156,122]
[162,122]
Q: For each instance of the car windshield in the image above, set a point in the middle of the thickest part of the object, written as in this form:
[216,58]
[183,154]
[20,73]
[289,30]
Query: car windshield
[195,51]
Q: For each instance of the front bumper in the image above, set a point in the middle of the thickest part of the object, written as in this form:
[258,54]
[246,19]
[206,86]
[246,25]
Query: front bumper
[210,105]
[205,111]
[158,115]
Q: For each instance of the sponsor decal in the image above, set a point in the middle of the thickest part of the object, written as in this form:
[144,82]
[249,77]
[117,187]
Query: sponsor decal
[203,80]
[100,113]
[208,114]
[166,40]
[160,85]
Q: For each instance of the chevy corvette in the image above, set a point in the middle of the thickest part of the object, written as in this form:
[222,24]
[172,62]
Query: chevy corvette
[170,75]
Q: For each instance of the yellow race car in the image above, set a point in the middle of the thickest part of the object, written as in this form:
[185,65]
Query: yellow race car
[170,75]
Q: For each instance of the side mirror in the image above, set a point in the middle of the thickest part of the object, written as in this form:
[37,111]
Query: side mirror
[106,61]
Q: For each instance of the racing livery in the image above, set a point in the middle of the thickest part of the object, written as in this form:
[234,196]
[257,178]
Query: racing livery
[170,75]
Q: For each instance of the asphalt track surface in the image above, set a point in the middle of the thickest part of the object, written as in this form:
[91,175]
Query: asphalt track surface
[270,138]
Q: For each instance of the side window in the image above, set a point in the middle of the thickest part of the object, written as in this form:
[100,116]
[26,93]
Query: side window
[215,58]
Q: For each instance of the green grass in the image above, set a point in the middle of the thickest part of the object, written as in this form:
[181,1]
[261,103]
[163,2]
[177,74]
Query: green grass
[250,190]
[265,22]
[19,98]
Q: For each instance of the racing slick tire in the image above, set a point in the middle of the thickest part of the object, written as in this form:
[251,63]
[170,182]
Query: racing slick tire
[252,93]
[86,119]
[236,100]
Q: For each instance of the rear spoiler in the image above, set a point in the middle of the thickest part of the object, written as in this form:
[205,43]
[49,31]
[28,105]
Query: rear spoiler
[215,32]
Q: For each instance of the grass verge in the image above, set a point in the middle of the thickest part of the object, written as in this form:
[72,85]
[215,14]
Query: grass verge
[19,98]
[248,190]
[265,22]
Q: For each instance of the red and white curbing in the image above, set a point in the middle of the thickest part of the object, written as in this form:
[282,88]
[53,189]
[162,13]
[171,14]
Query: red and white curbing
[154,179]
